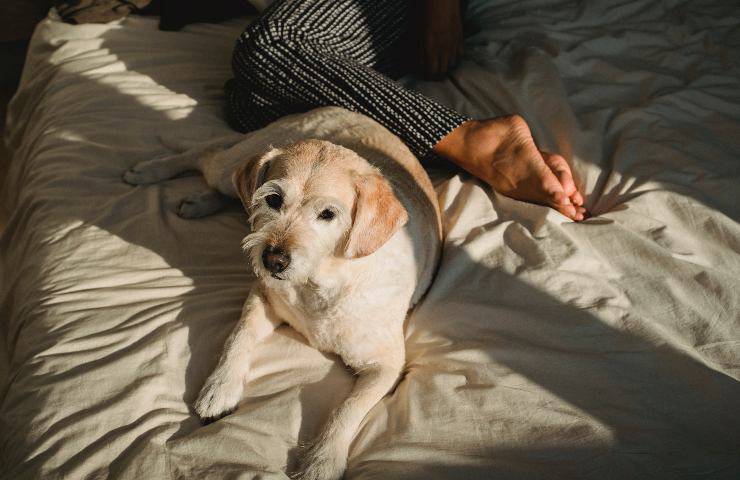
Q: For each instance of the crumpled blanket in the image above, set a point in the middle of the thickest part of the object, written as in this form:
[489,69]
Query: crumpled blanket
[606,349]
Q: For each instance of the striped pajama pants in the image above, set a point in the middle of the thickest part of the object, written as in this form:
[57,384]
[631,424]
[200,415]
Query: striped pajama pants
[304,54]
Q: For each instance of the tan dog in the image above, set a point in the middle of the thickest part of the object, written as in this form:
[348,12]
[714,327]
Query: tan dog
[345,240]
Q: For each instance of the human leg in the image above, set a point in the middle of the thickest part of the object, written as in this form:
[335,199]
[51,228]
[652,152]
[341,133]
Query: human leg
[302,55]
[305,54]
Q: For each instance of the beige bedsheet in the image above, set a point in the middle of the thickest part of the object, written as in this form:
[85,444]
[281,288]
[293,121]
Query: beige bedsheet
[545,348]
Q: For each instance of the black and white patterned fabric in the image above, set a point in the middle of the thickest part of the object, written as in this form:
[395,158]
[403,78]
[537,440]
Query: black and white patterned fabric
[304,54]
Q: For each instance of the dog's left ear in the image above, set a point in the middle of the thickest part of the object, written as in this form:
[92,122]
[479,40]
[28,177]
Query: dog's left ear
[378,215]
[250,176]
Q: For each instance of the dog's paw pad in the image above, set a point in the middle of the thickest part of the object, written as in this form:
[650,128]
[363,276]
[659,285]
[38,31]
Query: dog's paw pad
[188,209]
[131,177]
[134,176]
[218,399]
[210,420]
[322,463]
[193,208]
[200,205]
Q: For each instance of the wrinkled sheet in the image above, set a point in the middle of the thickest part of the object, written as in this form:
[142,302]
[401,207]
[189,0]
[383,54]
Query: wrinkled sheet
[544,349]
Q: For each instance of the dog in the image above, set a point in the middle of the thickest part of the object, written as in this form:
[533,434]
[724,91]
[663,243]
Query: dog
[345,239]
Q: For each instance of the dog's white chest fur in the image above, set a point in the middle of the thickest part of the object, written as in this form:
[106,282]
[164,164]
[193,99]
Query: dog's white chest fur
[314,310]
[350,309]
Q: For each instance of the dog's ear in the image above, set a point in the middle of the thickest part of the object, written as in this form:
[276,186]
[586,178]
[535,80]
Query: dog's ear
[378,215]
[250,176]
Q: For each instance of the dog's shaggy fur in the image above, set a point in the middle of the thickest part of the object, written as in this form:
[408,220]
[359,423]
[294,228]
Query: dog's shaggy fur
[345,239]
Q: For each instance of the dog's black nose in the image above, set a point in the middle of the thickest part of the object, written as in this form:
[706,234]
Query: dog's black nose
[275,259]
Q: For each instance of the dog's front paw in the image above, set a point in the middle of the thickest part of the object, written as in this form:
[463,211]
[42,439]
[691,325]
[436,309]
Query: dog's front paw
[322,462]
[218,397]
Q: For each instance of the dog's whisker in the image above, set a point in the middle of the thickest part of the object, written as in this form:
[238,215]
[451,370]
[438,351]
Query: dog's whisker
[267,189]
[254,215]
[255,260]
[250,241]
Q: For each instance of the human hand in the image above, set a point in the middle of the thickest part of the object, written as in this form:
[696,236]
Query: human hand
[441,37]
[502,152]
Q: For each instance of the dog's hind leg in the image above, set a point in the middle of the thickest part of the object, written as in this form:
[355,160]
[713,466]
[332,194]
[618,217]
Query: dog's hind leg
[160,168]
[327,457]
[180,144]
[167,166]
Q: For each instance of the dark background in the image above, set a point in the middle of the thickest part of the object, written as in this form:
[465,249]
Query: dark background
[17,21]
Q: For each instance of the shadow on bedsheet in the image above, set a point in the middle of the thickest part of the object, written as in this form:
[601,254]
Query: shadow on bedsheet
[669,414]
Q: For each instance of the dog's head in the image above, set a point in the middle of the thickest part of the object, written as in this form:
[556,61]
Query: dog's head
[312,201]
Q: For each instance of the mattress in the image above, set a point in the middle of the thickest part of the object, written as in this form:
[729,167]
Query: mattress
[545,348]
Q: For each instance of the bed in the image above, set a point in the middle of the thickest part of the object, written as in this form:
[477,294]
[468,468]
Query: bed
[544,349]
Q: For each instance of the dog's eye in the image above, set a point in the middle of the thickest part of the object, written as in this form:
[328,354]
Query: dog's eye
[274,201]
[326,214]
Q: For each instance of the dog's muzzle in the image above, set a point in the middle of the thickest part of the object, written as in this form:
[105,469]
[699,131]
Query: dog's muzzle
[275,259]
